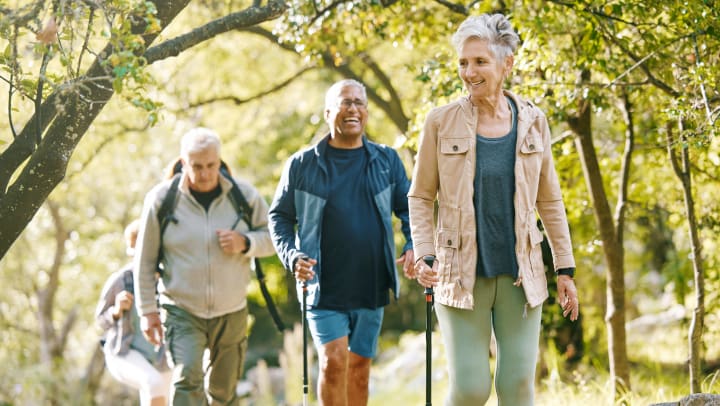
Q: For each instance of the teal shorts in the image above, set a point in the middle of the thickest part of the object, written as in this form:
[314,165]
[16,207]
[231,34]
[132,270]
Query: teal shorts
[361,326]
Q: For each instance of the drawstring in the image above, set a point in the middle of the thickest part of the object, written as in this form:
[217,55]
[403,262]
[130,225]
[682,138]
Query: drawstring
[525,310]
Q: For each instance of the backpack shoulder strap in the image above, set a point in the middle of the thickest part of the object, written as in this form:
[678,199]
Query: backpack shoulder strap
[166,213]
[238,200]
[128,280]
[245,212]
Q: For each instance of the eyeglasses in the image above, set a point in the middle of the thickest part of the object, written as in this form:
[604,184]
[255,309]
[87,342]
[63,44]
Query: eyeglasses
[347,103]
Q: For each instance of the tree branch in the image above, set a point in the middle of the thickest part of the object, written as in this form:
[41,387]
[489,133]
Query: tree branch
[66,328]
[454,7]
[593,11]
[640,62]
[46,294]
[625,166]
[246,18]
[86,41]
[237,100]
[698,63]
[392,108]
[18,19]
[319,13]
[671,150]
[103,144]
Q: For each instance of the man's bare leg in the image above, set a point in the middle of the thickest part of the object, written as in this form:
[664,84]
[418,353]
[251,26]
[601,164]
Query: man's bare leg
[358,379]
[332,382]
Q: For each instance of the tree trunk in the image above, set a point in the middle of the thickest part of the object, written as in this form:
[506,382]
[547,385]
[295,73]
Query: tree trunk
[90,381]
[683,172]
[612,248]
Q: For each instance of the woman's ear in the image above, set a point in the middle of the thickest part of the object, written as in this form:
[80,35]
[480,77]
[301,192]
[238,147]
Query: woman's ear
[509,62]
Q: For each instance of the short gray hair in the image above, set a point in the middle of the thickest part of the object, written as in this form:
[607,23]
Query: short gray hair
[493,28]
[336,88]
[199,139]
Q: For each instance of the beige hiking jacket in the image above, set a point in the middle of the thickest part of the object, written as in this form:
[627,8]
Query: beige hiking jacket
[445,170]
[198,276]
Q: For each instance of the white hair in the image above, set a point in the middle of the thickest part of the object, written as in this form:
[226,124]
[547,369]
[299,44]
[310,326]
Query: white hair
[337,87]
[199,139]
[493,28]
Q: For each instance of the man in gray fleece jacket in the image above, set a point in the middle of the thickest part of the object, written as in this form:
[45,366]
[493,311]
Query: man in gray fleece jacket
[206,257]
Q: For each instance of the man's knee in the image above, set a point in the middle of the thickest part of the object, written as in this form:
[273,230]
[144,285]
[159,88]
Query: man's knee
[188,376]
[359,369]
[333,360]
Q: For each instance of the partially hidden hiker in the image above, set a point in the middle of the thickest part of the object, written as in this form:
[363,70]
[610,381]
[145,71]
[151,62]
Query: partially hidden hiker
[129,357]
[204,249]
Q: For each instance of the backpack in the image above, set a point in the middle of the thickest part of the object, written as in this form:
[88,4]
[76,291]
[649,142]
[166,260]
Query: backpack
[166,215]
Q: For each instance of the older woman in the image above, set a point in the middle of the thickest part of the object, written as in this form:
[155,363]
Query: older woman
[487,159]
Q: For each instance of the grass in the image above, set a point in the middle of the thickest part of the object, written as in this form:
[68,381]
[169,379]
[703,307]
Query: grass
[658,374]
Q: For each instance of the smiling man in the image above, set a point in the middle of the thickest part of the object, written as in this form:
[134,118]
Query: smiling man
[331,224]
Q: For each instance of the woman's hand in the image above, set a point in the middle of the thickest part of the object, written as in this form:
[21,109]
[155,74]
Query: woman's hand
[123,301]
[426,276]
[567,296]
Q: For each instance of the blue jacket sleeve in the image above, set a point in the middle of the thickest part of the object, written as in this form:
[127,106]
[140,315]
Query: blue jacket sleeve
[400,201]
[282,218]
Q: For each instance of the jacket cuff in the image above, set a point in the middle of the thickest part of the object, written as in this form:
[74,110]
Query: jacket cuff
[423,249]
[566,271]
[248,243]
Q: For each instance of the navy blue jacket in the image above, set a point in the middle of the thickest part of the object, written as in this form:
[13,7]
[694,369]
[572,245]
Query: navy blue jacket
[296,213]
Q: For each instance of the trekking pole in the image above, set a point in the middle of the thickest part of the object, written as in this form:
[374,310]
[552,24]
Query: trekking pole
[429,301]
[304,344]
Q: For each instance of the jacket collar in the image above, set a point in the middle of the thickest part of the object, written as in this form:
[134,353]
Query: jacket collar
[184,187]
[527,113]
[321,148]
[526,110]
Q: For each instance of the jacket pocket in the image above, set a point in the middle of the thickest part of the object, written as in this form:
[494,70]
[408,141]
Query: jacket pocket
[448,243]
[536,261]
[530,161]
[531,144]
[453,146]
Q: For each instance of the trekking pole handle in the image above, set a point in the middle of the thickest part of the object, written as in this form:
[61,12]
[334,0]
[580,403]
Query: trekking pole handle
[429,260]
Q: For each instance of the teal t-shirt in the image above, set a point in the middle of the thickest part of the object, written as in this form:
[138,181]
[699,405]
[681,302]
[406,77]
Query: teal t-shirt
[353,273]
[494,202]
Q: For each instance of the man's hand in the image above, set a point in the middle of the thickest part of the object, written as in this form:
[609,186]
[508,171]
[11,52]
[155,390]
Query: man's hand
[407,259]
[231,242]
[567,296]
[152,328]
[303,269]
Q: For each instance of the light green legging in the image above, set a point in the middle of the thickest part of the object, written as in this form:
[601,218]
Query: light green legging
[499,306]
